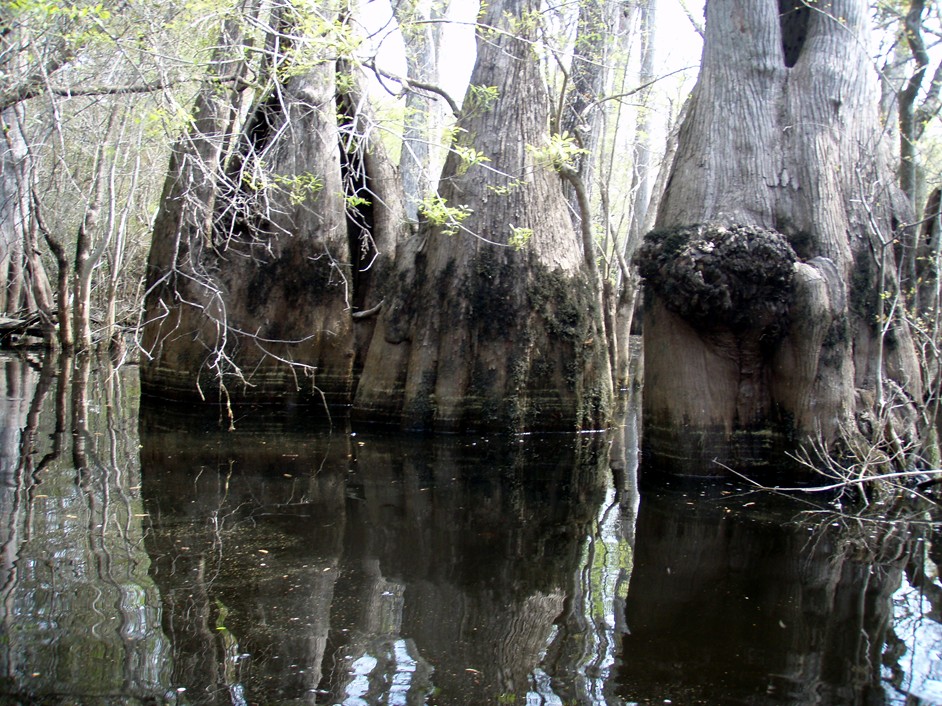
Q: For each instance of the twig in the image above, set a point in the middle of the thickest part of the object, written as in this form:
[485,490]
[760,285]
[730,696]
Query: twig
[844,483]
[368,312]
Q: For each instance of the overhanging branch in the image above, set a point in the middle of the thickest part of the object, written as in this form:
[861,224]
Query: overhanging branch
[28,90]
[409,83]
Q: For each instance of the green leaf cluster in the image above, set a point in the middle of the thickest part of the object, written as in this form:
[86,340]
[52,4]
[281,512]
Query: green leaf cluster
[479,99]
[519,237]
[436,211]
[559,153]
[298,187]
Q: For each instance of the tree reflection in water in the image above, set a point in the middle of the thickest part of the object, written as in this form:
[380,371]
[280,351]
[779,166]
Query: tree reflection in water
[742,598]
[285,564]
[427,568]
[79,613]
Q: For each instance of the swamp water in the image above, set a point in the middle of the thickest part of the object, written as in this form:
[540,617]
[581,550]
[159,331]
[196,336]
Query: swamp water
[154,559]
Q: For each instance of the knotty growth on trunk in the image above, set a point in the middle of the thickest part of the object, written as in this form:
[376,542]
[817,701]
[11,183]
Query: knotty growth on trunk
[770,275]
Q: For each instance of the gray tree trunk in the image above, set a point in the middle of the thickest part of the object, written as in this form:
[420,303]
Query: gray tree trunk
[422,34]
[762,328]
[256,268]
[476,333]
[14,210]
[641,191]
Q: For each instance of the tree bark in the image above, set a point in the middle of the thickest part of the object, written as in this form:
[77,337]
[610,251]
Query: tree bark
[14,210]
[475,333]
[255,268]
[422,33]
[781,147]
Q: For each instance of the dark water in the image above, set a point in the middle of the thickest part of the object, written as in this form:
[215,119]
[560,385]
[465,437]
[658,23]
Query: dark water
[155,559]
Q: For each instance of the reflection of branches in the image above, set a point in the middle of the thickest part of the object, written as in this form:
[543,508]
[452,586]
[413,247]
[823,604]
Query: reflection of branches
[24,481]
[594,609]
[857,472]
[917,608]
[919,575]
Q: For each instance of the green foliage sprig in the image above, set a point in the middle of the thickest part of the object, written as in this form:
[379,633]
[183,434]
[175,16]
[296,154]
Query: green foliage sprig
[559,153]
[437,212]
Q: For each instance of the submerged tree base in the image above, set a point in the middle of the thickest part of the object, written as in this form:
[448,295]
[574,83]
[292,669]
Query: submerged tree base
[715,452]
[717,304]
[275,387]
[519,350]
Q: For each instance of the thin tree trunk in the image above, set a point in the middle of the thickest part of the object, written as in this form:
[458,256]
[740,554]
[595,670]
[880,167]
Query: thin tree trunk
[642,168]
[14,208]
[582,112]
[117,254]
[583,118]
[19,222]
[63,279]
[909,162]
[641,189]
[422,33]
[42,291]
[85,257]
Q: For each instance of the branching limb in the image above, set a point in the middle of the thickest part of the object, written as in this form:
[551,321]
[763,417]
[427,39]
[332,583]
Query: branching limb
[411,84]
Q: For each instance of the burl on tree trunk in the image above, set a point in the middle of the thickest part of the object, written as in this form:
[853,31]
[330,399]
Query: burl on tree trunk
[767,276]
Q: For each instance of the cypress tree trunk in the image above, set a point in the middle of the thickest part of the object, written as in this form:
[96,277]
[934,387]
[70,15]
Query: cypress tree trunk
[477,333]
[257,268]
[763,326]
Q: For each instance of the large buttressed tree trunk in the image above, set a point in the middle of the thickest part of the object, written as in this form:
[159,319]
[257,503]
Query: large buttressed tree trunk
[476,333]
[762,325]
[256,267]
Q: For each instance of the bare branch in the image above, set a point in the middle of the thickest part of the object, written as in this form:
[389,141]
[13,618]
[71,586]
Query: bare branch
[410,84]
[28,90]
[697,24]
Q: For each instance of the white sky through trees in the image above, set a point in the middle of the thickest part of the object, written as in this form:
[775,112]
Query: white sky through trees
[678,46]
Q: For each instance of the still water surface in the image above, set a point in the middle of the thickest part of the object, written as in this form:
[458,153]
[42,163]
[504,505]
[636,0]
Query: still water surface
[149,558]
